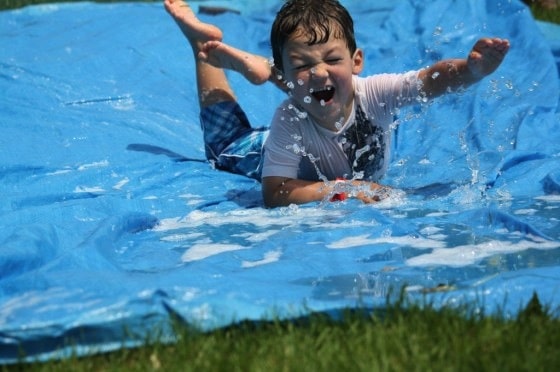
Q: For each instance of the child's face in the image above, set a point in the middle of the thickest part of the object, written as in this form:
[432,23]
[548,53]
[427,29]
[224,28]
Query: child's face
[320,78]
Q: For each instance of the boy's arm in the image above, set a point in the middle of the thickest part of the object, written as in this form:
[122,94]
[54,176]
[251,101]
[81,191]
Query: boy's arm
[448,75]
[282,191]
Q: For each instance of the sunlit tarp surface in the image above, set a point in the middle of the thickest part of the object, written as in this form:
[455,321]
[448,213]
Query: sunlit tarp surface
[112,223]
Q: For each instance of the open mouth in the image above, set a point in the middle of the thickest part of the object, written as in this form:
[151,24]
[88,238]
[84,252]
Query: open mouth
[324,95]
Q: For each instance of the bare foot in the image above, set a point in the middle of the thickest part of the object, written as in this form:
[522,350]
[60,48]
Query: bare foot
[254,68]
[197,32]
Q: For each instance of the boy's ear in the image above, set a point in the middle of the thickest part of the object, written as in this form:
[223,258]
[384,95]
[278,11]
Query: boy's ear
[357,62]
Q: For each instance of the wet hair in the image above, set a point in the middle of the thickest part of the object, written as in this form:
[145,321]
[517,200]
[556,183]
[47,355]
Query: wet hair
[316,19]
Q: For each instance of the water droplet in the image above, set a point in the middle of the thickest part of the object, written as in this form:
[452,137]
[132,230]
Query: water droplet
[297,137]
[307,99]
[338,125]
[509,84]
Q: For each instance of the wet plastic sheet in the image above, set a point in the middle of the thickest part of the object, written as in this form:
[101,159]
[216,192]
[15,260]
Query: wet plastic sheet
[112,223]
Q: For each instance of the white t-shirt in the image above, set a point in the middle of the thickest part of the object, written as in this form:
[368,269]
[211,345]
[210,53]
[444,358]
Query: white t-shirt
[297,147]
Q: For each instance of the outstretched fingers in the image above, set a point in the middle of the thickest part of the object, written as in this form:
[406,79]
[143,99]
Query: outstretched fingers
[486,55]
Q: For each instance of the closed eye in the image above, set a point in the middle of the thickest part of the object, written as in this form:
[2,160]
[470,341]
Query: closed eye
[330,61]
[301,67]
[333,61]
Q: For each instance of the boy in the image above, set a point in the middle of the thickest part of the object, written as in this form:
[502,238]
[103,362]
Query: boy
[331,137]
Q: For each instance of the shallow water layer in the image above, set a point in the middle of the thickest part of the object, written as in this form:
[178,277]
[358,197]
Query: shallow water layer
[113,223]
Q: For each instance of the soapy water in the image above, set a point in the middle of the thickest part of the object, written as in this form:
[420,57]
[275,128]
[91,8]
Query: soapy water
[434,255]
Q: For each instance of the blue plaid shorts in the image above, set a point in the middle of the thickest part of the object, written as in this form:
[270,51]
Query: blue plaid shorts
[230,142]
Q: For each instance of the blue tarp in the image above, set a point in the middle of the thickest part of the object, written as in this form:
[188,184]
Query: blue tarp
[112,223]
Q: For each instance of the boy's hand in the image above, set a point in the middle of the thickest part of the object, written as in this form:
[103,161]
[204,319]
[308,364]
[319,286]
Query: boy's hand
[484,58]
[369,192]
[486,55]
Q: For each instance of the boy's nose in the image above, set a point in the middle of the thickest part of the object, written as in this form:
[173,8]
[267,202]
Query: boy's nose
[319,71]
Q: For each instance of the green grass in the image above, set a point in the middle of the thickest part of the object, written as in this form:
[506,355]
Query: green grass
[400,339]
[552,16]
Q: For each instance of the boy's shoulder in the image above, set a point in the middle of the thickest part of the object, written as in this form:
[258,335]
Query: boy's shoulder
[289,112]
[386,81]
